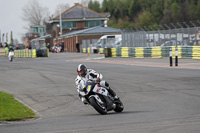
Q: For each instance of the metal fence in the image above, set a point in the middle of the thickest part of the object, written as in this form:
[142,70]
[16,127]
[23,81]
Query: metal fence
[89,44]
[157,36]
[171,37]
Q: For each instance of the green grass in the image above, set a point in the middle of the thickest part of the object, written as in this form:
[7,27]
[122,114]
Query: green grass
[11,109]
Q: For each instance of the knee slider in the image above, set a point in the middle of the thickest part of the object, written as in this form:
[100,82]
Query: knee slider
[104,83]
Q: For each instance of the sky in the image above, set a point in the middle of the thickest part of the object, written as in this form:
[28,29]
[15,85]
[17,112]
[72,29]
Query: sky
[11,15]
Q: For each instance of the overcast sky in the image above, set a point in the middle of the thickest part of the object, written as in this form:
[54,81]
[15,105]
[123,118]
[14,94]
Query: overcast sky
[11,13]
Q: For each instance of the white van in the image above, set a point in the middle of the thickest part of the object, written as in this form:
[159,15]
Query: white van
[109,41]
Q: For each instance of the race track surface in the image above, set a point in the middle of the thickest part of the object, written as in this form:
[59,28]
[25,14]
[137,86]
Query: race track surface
[157,98]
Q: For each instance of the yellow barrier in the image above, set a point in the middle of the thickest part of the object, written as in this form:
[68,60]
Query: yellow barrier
[2,52]
[84,50]
[6,53]
[124,52]
[156,52]
[47,52]
[114,52]
[34,53]
[101,50]
[174,51]
[196,52]
[139,52]
[25,53]
[88,50]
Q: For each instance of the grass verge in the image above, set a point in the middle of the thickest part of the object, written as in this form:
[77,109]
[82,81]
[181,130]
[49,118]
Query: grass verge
[12,110]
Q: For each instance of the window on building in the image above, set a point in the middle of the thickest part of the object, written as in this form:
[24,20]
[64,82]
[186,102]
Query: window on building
[74,25]
[35,30]
[92,23]
[98,22]
[86,24]
[66,25]
[41,30]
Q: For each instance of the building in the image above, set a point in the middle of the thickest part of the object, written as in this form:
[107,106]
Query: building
[70,39]
[36,31]
[40,29]
[76,18]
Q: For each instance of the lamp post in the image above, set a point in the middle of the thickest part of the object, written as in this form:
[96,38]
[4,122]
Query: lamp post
[57,30]
[60,23]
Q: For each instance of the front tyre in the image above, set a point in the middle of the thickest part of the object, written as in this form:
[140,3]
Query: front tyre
[97,106]
[119,106]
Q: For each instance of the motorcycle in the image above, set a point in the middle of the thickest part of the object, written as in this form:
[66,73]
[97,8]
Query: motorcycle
[11,56]
[100,99]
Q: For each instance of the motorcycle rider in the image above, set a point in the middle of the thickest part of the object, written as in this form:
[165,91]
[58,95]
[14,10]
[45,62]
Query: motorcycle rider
[10,49]
[85,74]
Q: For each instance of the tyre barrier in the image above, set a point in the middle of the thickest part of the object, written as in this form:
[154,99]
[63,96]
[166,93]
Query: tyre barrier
[192,52]
[196,52]
[30,53]
[101,50]
[156,52]
[124,52]
[139,52]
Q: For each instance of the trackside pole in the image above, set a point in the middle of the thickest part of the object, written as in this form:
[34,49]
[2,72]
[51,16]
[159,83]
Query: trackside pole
[176,58]
[170,57]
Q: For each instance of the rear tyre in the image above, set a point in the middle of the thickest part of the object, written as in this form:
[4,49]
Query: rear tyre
[98,106]
[119,106]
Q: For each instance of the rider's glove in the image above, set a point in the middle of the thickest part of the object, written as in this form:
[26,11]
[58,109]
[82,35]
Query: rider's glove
[97,80]
[82,93]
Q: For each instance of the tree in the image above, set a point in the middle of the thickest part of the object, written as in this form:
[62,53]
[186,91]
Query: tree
[105,6]
[34,13]
[61,8]
[192,10]
[97,6]
[198,10]
[157,10]
[176,13]
[145,19]
[134,9]
[85,3]
[94,5]
[167,15]
[90,5]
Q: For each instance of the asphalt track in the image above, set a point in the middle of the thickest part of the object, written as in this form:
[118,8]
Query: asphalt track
[157,98]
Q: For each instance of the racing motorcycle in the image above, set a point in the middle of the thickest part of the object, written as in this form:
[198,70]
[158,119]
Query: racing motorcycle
[11,56]
[100,99]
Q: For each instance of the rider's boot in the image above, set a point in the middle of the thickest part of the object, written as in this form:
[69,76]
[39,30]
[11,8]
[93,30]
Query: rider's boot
[112,93]
[84,100]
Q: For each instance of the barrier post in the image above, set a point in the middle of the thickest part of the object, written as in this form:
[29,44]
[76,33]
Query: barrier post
[170,56]
[176,58]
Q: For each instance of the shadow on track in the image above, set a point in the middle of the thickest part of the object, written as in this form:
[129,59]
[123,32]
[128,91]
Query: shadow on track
[114,113]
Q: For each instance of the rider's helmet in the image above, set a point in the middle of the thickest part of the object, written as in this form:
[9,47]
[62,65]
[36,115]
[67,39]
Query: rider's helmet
[81,70]
[10,47]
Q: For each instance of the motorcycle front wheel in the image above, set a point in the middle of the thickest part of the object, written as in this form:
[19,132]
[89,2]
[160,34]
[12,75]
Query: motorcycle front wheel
[10,59]
[97,106]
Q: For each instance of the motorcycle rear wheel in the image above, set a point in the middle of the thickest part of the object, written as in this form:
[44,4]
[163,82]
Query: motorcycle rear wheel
[97,106]
[11,59]
[119,106]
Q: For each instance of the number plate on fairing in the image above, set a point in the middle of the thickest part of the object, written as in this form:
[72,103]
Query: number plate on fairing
[89,88]
[100,90]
